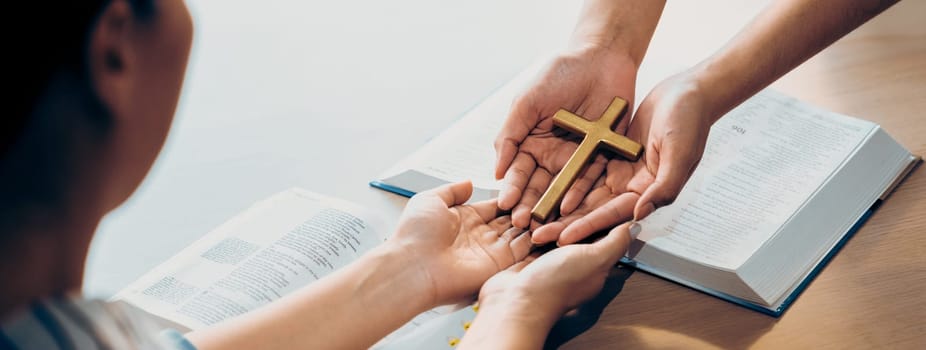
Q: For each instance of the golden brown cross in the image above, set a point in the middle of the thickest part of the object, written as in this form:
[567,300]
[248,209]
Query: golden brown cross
[597,133]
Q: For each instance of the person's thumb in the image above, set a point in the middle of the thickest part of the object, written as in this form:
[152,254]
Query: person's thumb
[614,245]
[450,194]
[517,126]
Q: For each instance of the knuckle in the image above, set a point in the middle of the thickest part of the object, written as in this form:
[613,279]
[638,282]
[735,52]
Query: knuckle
[616,213]
[531,193]
[518,172]
[579,186]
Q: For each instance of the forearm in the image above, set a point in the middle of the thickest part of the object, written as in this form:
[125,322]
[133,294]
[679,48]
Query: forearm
[351,308]
[623,25]
[785,35]
[513,323]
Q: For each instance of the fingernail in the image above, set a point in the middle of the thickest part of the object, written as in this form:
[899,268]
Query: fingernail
[635,229]
[534,240]
[647,209]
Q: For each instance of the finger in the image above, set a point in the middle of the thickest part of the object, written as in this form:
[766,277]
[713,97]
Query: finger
[523,263]
[521,246]
[516,179]
[611,213]
[551,231]
[501,224]
[583,185]
[535,224]
[511,233]
[521,215]
[675,164]
[517,126]
[613,246]
[547,233]
[487,210]
[452,194]
[503,243]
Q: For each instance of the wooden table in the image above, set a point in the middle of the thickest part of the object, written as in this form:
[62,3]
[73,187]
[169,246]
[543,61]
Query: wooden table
[873,293]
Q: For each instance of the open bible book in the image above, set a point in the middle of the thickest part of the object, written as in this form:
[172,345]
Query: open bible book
[275,247]
[781,186]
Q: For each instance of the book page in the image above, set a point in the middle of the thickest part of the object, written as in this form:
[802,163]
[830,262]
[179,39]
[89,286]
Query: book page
[442,330]
[763,161]
[275,247]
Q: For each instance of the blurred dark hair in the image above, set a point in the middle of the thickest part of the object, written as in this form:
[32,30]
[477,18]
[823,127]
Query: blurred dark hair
[42,40]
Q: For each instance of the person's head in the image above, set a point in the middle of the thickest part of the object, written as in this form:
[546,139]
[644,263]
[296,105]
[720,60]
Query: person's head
[94,85]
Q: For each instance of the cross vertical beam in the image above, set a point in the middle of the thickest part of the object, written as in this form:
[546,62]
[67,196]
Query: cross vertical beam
[596,134]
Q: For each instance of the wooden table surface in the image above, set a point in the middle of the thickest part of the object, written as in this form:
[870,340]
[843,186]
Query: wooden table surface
[873,293]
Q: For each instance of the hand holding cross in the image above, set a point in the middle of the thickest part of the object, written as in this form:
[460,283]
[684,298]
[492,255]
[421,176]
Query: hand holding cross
[596,133]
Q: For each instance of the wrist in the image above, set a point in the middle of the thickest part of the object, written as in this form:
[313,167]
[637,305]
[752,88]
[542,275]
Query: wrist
[508,323]
[707,88]
[595,45]
[517,307]
[405,271]
[725,80]
[622,27]
[611,56]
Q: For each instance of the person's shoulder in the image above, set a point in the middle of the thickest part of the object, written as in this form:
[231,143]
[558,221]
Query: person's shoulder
[78,323]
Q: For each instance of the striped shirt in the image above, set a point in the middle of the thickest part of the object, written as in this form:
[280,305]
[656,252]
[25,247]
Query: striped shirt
[74,323]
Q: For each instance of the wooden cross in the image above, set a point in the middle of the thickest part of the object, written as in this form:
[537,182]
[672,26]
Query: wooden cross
[597,133]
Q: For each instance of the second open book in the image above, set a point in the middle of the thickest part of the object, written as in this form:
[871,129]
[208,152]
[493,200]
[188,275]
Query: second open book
[780,187]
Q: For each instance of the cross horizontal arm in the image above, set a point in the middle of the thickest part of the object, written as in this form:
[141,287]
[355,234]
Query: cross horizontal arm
[569,121]
[624,146]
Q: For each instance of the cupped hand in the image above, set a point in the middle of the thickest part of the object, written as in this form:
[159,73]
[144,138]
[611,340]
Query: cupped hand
[456,246]
[530,152]
[558,281]
[673,123]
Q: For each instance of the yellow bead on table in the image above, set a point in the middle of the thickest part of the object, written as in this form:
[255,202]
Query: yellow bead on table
[453,341]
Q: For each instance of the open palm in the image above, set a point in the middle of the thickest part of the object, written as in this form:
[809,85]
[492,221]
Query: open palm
[530,152]
[457,246]
[673,125]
